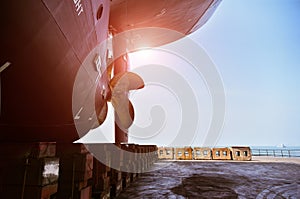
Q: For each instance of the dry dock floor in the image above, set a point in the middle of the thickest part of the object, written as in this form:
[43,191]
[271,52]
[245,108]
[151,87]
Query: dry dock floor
[261,178]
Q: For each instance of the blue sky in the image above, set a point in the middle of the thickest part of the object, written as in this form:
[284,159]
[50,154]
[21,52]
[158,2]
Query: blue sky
[256,47]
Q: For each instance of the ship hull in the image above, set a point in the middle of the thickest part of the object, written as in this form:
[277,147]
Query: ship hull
[44,44]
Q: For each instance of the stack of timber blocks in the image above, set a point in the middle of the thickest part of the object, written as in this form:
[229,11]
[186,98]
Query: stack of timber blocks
[128,165]
[101,171]
[116,172]
[29,170]
[75,173]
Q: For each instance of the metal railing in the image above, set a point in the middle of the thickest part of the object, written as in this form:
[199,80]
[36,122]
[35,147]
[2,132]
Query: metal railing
[276,152]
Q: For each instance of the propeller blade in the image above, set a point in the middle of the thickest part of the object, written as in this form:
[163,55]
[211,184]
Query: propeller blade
[120,84]
[126,81]
[101,113]
[124,111]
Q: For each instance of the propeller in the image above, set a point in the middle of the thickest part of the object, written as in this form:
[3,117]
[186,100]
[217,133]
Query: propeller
[116,92]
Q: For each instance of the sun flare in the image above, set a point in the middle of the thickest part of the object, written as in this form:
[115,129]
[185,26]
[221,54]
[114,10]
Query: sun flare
[141,57]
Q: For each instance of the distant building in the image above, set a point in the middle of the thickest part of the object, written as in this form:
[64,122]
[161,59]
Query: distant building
[202,153]
[166,153]
[185,153]
[221,153]
[241,153]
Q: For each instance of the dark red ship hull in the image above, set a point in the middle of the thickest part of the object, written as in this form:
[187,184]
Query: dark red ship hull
[45,42]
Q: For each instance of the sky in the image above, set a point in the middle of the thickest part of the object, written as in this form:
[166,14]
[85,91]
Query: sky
[255,47]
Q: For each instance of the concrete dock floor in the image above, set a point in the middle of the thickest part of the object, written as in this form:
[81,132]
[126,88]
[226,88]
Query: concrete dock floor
[218,179]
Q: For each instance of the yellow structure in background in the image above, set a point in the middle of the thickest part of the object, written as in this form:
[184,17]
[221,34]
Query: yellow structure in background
[166,153]
[202,153]
[185,153]
[221,154]
[239,153]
